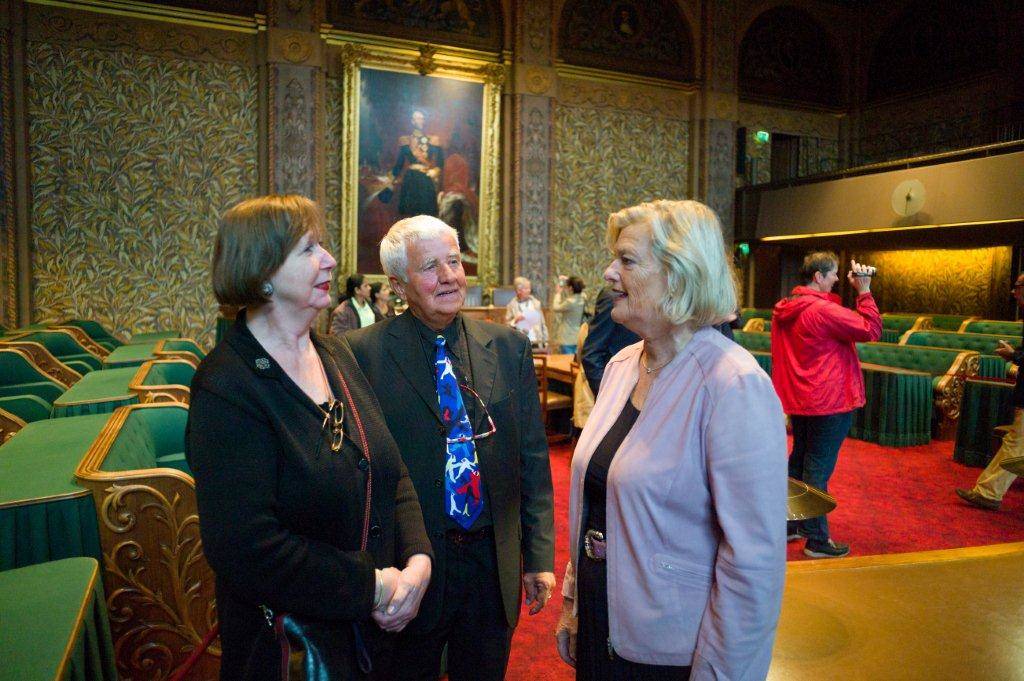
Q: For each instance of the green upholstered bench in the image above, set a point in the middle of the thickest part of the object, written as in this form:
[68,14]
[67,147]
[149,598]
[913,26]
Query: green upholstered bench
[44,361]
[895,325]
[754,340]
[44,514]
[62,345]
[991,365]
[55,625]
[153,336]
[99,392]
[95,331]
[149,534]
[163,380]
[18,410]
[949,369]
[137,354]
[949,322]
[19,375]
[993,326]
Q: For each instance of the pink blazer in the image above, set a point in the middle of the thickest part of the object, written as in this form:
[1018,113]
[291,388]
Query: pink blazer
[696,509]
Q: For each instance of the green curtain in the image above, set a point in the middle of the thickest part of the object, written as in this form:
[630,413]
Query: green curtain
[898,408]
[45,531]
[986,404]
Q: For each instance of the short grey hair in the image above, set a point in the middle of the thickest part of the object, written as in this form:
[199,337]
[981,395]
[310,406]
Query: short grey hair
[686,238]
[520,282]
[394,251]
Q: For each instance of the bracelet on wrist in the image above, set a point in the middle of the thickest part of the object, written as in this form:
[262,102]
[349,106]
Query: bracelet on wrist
[378,592]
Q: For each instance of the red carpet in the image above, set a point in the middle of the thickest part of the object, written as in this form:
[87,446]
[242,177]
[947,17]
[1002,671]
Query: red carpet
[890,501]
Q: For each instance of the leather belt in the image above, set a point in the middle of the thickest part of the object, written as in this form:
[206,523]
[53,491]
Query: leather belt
[595,545]
[462,537]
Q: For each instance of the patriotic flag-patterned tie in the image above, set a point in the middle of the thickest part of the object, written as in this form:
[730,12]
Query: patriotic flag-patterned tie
[462,485]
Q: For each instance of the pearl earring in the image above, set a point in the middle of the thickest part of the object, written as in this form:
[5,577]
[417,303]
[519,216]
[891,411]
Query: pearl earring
[267,289]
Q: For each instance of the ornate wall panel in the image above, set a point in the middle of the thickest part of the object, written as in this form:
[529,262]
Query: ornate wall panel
[972,281]
[466,23]
[650,38]
[332,161]
[8,259]
[612,149]
[133,159]
[533,168]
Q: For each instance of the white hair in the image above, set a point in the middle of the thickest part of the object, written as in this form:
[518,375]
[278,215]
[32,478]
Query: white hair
[394,247]
[520,282]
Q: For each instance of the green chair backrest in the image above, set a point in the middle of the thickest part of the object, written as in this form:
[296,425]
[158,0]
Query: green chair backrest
[948,322]
[18,376]
[146,436]
[170,373]
[754,340]
[748,313]
[95,331]
[984,343]
[184,344]
[934,361]
[899,322]
[63,346]
[995,326]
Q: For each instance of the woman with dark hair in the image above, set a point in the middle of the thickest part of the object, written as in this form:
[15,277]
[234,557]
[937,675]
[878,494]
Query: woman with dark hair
[568,306]
[380,294]
[355,310]
[293,461]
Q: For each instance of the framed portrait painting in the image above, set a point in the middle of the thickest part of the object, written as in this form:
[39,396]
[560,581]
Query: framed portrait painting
[419,143]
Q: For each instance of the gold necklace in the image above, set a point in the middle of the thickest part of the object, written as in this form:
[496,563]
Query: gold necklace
[650,370]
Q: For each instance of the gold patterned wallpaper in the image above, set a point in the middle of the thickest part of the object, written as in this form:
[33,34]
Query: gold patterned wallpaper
[972,281]
[133,159]
[611,152]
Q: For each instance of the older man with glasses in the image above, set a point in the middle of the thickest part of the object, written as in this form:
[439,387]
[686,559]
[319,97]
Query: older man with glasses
[993,482]
[460,398]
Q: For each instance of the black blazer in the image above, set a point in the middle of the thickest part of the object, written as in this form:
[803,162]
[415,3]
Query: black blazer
[281,515]
[513,462]
[605,338]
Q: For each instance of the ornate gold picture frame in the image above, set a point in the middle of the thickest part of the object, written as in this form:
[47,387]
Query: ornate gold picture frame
[361,55]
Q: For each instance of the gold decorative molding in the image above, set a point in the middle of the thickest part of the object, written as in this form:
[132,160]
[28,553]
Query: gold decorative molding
[723,106]
[10,424]
[440,62]
[162,13]
[160,589]
[535,80]
[63,25]
[301,48]
[625,95]
[47,363]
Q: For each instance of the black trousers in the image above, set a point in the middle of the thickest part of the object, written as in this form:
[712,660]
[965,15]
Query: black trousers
[472,623]
[595,659]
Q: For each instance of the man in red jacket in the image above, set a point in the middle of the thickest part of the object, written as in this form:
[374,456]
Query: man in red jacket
[817,376]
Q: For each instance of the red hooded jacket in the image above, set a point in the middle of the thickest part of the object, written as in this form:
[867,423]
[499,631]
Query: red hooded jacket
[814,360]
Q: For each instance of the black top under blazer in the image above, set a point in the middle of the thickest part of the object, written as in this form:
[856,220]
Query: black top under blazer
[513,463]
[280,514]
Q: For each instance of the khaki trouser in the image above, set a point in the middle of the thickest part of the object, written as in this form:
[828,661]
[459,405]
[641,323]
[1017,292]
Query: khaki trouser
[994,481]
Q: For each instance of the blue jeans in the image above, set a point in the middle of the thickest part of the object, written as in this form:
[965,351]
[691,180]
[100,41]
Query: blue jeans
[816,441]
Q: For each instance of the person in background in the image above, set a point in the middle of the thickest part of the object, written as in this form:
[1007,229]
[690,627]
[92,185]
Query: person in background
[569,307]
[522,308]
[678,483]
[284,436]
[817,375]
[380,294]
[993,482]
[460,397]
[605,338]
[355,310]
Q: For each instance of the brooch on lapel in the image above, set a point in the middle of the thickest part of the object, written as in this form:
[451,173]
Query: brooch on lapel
[262,363]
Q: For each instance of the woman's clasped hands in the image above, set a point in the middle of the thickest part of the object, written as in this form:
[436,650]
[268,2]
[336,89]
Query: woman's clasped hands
[401,593]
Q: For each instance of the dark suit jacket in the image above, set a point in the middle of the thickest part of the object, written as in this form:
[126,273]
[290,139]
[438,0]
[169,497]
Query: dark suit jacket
[281,515]
[605,338]
[513,462]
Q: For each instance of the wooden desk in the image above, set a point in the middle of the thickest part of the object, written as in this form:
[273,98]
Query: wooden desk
[559,368]
[952,614]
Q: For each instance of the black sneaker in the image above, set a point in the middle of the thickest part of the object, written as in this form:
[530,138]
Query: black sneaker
[829,549]
[795,535]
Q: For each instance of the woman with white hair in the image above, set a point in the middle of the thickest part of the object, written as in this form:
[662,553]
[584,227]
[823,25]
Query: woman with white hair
[678,485]
[525,313]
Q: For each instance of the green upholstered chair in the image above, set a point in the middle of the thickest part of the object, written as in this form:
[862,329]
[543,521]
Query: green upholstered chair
[19,375]
[18,410]
[758,343]
[152,336]
[137,354]
[895,325]
[949,322]
[163,380]
[990,365]
[144,494]
[995,326]
[95,331]
[44,361]
[179,348]
[99,392]
[64,346]
[949,368]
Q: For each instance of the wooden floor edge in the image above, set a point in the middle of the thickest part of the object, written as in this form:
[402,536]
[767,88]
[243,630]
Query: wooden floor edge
[936,556]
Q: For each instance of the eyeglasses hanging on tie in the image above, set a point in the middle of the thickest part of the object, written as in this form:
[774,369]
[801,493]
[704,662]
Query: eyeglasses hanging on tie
[491,428]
